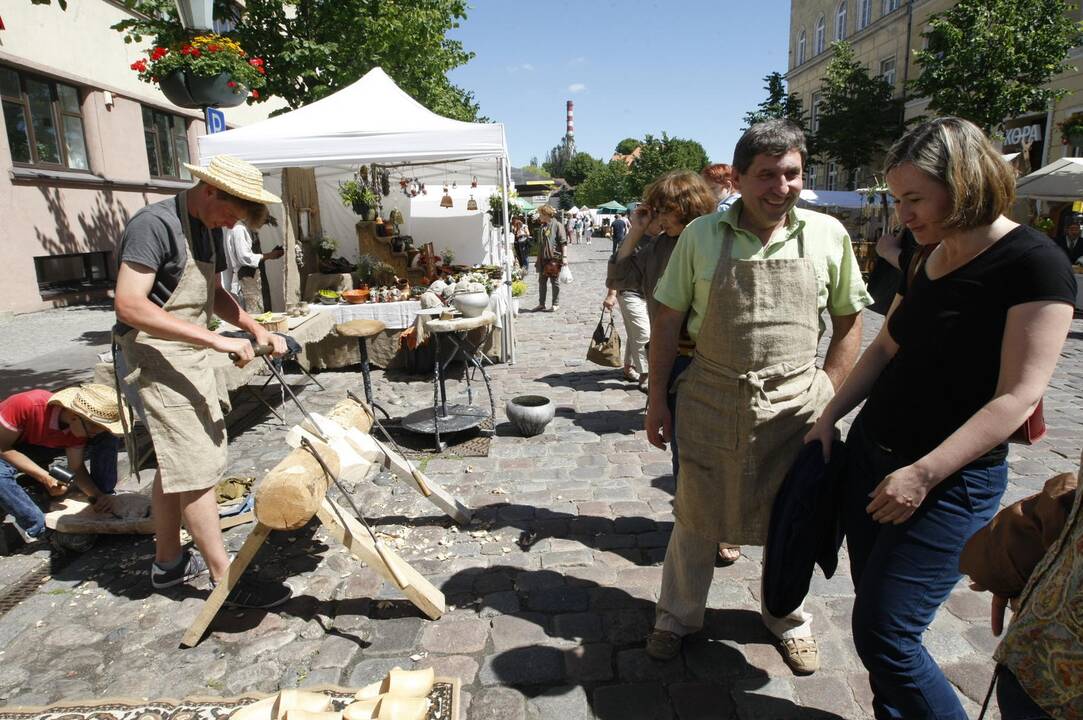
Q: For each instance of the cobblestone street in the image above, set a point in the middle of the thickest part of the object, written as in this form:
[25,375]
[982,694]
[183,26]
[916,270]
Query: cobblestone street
[550,590]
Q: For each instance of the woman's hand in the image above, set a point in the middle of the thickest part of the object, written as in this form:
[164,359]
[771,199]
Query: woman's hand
[824,431]
[898,495]
[641,218]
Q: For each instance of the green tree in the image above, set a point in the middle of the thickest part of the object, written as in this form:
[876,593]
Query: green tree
[858,115]
[627,146]
[313,48]
[660,155]
[534,169]
[605,183]
[990,60]
[580,167]
[779,104]
[558,158]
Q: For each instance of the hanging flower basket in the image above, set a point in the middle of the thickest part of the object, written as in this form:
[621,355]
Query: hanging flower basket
[1071,130]
[210,71]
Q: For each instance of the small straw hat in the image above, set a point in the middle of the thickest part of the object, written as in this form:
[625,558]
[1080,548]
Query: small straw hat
[94,402]
[236,177]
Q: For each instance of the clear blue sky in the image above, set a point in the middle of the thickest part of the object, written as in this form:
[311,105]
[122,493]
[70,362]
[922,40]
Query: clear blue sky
[689,67]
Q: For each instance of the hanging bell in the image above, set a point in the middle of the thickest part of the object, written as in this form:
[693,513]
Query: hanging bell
[454,184]
[474,182]
[396,217]
[446,201]
[472,204]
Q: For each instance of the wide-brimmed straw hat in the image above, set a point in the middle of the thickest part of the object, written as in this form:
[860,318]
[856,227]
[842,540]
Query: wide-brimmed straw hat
[94,402]
[236,177]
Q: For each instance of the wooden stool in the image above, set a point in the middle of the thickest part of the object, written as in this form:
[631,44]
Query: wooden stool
[363,330]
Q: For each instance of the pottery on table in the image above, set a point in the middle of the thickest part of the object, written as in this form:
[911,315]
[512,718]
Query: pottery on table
[530,413]
[471,304]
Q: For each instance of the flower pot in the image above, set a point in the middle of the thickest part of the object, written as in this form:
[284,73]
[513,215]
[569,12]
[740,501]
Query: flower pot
[515,307]
[530,413]
[196,91]
[1075,140]
[471,304]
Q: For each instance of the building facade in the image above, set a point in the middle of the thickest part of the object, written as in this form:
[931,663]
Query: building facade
[885,35]
[83,145]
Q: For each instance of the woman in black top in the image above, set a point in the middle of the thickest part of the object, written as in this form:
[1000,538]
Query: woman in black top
[963,358]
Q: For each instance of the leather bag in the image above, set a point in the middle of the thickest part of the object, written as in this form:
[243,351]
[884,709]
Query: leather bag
[604,347]
[551,268]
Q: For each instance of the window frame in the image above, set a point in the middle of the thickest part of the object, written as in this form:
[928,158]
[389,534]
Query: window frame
[832,176]
[864,14]
[801,45]
[894,69]
[888,6]
[57,115]
[821,35]
[153,129]
[814,112]
[840,21]
[812,175]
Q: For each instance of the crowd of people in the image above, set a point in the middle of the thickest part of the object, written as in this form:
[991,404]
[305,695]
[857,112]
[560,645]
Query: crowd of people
[726,289]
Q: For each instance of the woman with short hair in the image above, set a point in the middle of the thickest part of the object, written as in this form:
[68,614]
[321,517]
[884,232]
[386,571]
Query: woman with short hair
[963,358]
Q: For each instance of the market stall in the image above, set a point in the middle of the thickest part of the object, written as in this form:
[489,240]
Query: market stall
[374,122]
[1061,181]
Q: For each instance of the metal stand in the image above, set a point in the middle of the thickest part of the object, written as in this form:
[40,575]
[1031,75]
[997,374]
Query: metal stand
[366,377]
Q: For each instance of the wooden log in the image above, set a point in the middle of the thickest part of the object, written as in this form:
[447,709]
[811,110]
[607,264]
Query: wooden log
[348,413]
[292,491]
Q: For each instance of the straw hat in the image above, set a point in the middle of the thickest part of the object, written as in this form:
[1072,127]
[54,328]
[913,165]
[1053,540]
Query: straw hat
[94,402]
[236,177]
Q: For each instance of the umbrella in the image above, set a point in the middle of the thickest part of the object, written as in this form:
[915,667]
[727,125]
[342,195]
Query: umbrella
[1060,180]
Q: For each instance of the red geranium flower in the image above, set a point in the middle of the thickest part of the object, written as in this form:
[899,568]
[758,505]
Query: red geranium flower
[139,65]
[213,48]
[231,84]
[158,53]
[255,94]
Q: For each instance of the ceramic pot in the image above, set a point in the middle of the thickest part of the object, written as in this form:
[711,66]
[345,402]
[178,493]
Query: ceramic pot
[195,91]
[471,304]
[530,413]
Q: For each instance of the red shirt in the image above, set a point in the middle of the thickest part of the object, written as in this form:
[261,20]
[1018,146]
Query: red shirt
[29,414]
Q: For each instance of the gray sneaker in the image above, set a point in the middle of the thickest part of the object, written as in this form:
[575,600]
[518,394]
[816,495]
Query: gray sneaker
[191,566]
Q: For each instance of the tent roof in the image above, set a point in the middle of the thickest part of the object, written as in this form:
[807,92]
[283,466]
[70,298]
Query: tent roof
[1059,180]
[370,121]
[833,198]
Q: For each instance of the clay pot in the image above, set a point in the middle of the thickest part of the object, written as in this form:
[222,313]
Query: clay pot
[471,304]
[530,413]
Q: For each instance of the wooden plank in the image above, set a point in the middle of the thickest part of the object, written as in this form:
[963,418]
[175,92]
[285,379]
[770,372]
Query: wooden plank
[217,598]
[225,523]
[352,534]
[436,494]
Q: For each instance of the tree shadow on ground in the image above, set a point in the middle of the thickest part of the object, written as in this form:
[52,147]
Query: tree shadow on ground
[559,632]
[588,380]
[19,379]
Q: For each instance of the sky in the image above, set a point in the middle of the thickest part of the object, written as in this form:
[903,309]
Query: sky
[691,68]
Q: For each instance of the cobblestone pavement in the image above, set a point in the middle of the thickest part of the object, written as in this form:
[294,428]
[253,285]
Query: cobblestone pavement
[550,589]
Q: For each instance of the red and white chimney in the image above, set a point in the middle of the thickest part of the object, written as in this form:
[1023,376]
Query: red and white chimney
[571,122]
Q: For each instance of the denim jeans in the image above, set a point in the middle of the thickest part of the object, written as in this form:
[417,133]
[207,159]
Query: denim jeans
[679,366]
[903,573]
[101,452]
[1013,700]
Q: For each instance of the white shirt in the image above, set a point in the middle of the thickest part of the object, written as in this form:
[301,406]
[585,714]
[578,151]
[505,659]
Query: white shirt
[238,246]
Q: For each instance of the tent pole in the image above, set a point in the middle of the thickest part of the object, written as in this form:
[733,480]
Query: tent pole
[509,318]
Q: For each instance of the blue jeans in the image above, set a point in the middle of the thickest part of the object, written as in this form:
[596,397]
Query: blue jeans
[1013,700]
[903,573]
[679,366]
[101,452]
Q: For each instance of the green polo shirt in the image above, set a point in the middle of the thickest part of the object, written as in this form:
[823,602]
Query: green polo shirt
[686,283]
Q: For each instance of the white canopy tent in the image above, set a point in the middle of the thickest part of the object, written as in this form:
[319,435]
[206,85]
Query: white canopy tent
[834,198]
[1059,181]
[374,121]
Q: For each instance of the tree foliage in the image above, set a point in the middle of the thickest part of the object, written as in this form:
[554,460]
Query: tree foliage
[778,105]
[627,146]
[534,169]
[858,115]
[557,159]
[580,167]
[605,183]
[660,155]
[990,60]
[313,48]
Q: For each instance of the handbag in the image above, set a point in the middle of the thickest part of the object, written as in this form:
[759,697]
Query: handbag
[551,268]
[566,275]
[1033,429]
[604,347]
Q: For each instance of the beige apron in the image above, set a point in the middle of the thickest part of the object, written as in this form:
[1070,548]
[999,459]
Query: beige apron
[176,383]
[750,395]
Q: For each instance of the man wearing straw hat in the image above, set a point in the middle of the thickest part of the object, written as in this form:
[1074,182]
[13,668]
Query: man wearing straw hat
[83,422]
[167,290]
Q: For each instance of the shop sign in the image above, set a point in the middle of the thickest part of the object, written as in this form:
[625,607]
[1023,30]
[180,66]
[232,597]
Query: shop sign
[1022,134]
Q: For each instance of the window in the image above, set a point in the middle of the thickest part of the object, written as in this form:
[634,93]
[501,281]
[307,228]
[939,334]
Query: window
[166,138]
[864,14]
[68,273]
[840,21]
[810,176]
[820,25]
[814,118]
[889,6]
[44,121]
[801,48]
[832,176]
[887,70]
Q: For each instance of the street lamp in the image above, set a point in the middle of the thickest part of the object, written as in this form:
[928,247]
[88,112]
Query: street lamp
[196,14]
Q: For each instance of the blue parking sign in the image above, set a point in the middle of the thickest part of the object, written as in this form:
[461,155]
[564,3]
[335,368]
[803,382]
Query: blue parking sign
[216,121]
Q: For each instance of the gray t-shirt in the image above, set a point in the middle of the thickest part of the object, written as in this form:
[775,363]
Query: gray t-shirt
[154,238]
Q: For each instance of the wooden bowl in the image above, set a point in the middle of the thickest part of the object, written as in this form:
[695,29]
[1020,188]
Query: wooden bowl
[355,297]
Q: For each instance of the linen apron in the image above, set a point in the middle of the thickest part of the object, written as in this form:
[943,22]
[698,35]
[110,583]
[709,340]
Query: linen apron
[750,395]
[176,382]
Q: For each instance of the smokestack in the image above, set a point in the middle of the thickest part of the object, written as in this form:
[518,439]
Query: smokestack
[571,123]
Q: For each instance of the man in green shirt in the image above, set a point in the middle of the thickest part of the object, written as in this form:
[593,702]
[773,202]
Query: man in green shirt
[752,283]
